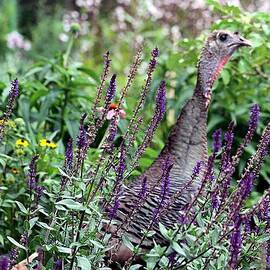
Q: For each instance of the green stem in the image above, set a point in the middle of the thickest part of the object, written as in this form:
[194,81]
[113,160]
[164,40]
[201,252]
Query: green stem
[68,51]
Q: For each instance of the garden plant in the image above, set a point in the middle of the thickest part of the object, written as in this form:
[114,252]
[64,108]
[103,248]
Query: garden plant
[74,132]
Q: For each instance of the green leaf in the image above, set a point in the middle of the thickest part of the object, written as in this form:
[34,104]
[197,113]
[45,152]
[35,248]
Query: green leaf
[127,242]
[22,208]
[64,250]
[44,225]
[32,222]
[135,267]
[1,239]
[163,231]
[96,244]
[14,242]
[71,204]
[178,249]
[83,263]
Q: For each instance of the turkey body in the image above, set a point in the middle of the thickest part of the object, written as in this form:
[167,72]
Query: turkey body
[186,145]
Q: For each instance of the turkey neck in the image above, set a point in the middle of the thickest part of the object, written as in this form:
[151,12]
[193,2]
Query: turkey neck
[187,142]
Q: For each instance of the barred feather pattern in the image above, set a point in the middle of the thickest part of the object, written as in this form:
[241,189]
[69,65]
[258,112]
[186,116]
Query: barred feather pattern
[187,145]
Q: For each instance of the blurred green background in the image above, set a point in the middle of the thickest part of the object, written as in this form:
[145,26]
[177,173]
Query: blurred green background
[55,49]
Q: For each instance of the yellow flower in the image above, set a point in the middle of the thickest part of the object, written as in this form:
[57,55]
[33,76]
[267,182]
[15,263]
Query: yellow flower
[2,122]
[47,143]
[14,171]
[22,142]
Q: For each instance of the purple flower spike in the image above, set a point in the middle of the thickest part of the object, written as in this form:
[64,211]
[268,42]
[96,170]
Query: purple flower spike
[143,191]
[217,140]
[122,163]
[268,255]
[14,91]
[81,139]
[155,52]
[69,154]
[246,185]
[252,125]
[254,116]
[13,256]
[58,265]
[235,245]
[153,61]
[114,209]
[40,252]
[197,169]
[165,184]
[32,173]
[112,89]
[161,101]
[4,263]
[215,200]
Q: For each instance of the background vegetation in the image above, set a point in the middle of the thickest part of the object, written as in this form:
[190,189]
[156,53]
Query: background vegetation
[57,54]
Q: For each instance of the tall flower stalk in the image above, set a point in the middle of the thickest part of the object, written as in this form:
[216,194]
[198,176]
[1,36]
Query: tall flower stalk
[12,96]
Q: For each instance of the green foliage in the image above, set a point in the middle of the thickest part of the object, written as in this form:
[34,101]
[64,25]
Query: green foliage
[61,84]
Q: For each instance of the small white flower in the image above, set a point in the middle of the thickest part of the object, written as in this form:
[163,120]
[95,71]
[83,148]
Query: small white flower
[63,37]
[16,41]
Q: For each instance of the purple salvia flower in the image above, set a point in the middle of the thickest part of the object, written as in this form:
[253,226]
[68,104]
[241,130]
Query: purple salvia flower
[161,101]
[111,89]
[165,187]
[32,173]
[243,191]
[13,94]
[215,200]
[113,210]
[58,265]
[209,173]
[254,116]
[155,52]
[158,115]
[246,185]
[172,257]
[39,193]
[13,256]
[217,140]
[40,258]
[153,61]
[122,163]
[185,214]
[81,139]
[24,239]
[105,73]
[4,263]
[197,169]
[165,182]
[143,191]
[226,155]
[235,244]
[268,255]
[252,125]
[183,218]
[69,154]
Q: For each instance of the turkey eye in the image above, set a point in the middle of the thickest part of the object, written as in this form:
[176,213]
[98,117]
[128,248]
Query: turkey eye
[223,37]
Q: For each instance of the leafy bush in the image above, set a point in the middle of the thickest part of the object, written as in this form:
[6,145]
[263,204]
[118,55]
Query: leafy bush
[52,192]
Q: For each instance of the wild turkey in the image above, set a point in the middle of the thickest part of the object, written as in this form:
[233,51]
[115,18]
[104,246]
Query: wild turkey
[186,144]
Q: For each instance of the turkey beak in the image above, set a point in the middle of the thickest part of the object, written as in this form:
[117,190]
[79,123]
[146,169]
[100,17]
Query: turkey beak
[239,41]
[244,42]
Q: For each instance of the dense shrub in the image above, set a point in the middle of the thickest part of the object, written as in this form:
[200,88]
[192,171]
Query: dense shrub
[53,157]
